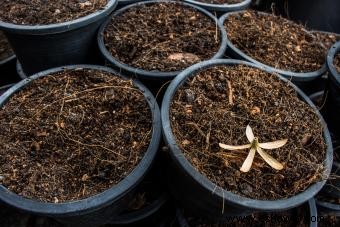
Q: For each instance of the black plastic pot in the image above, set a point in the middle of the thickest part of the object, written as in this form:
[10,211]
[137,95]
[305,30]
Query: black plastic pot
[329,208]
[309,208]
[315,14]
[6,61]
[317,98]
[42,47]
[195,192]
[223,8]
[103,207]
[325,208]
[308,82]
[7,71]
[313,86]
[332,105]
[153,79]
[330,191]
[146,215]
[156,196]
[332,187]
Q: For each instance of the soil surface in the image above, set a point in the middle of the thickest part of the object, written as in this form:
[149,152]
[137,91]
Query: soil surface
[72,135]
[216,106]
[162,37]
[220,1]
[44,12]
[327,39]
[275,41]
[337,62]
[5,48]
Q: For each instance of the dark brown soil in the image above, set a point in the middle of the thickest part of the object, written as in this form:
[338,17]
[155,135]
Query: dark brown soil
[71,135]
[216,106]
[275,41]
[337,62]
[162,37]
[327,39]
[5,48]
[43,12]
[221,1]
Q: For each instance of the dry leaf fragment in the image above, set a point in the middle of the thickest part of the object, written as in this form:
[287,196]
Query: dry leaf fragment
[82,5]
[230,94]
[184,57]
[185,142]
[298,48]
[306,139]
[85,177]
[42,134]
[35,146]
[193,18]
[255,110]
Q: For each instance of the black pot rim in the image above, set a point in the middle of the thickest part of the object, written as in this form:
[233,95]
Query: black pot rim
[6,87]
[102,199]
[327,190]
[294,76]
[154,74]
[178,157]
[313,212]
[335,75]
[316,95]
[222,7]
[6,60]
[20,70]
[60,27]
